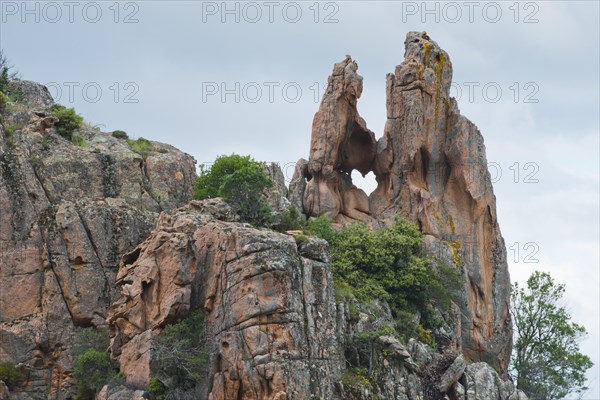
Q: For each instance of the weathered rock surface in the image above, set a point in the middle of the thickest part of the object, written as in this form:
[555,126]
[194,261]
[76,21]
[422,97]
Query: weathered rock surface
[340,143]
[275,329]
[267,301]
[67,214]
[99,235]
[431,168]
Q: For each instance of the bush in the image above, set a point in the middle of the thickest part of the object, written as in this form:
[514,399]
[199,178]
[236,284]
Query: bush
[120,135]
[141,146]
[157,388]
[290,220]
[387,264]
[93,367]
[241,181]
[4,79]
[68,122]
[181,354]
[9,373]
[79,141]
[321,227]
[3,102]
[90,338]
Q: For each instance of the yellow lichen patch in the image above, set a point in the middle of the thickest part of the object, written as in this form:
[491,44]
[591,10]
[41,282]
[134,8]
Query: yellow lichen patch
[455,246]
[451,223]
[438,71]
[420,70]
[427,47]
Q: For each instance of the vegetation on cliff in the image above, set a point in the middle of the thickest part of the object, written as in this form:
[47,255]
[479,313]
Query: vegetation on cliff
[388,264]
[180,355]
[241,181]
[92,366]
[68,120]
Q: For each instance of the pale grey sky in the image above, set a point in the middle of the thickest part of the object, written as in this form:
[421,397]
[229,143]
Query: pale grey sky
[214,78]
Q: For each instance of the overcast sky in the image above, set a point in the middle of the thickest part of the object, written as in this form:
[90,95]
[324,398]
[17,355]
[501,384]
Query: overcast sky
[215,78]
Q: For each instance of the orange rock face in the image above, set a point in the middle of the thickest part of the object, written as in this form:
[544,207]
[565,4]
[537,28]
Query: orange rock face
[268,303]
[430,167]
[67,214]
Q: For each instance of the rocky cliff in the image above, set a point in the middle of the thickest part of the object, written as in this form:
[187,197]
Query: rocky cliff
[67,215]
[101,236]
[276,329]
[431,168]
[268,303]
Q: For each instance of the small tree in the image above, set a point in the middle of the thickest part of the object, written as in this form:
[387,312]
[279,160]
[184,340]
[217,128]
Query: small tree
[239,180]
[3,79]
[11,73]
[68,120]
[546,361]
[93,367]
[181,354]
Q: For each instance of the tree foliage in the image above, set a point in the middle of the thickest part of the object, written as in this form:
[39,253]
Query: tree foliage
[546,361]
[290,220]
[68,120]
[9,373]
[3,79]
[239,180]
[5,65]
[92,369]
[388,264]
[92,366]
[181,354]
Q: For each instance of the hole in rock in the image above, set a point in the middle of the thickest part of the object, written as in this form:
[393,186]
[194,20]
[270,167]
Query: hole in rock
[368,183]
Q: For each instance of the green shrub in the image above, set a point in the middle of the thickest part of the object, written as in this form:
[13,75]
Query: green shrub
[141,146]
[79,141]
[92,366]
[321,227]
[10,130]
[388,264]
[90,338]
[3,102]
[157,388]
[68,120]
[4,79]
[120,134]
[424,335]
[301,238]
[92,369]
[241,181]
[181,353]
[290,220]
[9,373]
[356,377]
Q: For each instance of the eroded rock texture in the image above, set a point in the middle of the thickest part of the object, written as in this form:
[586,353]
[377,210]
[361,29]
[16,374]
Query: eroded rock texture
[340,143]
[275,329]
[431,168]
[67,214]
[267,301]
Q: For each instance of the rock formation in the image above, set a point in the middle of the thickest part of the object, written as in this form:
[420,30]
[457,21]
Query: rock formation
[268,303]
[67,214]
[430,167]
[102,236]
[340,143]
[275,327]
